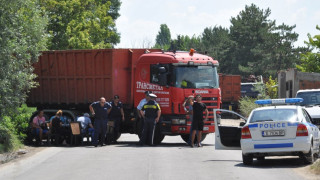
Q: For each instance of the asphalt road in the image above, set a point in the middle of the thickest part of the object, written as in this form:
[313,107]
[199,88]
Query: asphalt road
[170,160]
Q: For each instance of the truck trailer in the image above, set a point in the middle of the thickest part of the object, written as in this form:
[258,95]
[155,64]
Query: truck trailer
[71,80]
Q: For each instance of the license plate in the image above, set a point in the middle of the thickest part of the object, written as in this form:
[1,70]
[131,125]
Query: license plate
[273,133]
[205,128]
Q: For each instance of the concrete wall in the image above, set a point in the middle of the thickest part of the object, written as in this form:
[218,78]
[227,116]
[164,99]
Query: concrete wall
[291,81]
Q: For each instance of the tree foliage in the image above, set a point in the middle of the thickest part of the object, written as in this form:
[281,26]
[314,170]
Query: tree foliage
[261,47]
[22,37]
[217,43]
[310,61]
[185,43]
[163,38]
[82,24]
[253,45]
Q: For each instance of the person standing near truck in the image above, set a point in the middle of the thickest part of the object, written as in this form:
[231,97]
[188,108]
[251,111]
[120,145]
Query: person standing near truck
[187,105]
[116,115]
[100,110]
[197,123]
[139,107]
[151,114]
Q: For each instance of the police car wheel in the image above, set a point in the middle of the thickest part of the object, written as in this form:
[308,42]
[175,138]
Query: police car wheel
[309,158]
[247,159]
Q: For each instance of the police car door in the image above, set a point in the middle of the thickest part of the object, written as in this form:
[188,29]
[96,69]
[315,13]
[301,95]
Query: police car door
[228,125]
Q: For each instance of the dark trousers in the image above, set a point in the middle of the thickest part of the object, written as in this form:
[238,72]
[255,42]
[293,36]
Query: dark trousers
[116,128]
[148,131]
[100,128]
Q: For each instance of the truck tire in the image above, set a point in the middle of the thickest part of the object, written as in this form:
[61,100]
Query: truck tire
[157,136]
[247,159]
[118,136]
[185,137]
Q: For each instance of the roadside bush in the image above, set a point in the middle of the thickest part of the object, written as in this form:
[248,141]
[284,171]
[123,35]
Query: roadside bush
[9,141]
[272,88]
[13,128]
[315,167]
[246,105]
[20,120]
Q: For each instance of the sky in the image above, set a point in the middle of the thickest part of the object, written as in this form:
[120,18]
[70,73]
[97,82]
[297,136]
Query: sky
[140,20]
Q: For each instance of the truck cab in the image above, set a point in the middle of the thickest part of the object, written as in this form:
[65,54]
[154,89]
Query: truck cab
[173,77]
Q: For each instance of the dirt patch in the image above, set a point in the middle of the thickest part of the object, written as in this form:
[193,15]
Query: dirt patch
[27,151]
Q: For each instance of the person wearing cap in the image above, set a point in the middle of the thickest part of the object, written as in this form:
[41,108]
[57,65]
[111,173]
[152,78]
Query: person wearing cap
[197,122]
[100,110]
[151,113]
[116,115]
[143,102]
[86,125]
[139,107]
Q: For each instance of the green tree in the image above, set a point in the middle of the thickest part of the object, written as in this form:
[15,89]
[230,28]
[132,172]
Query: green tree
[163,38]
[261,47]
[22,37]
[310,61]
[82,24]
[217,43]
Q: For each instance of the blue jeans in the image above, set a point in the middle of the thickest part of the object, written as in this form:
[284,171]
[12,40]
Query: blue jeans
[37,131]
[90,131]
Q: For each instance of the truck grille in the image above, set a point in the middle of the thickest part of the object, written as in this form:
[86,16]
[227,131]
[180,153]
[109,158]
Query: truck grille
[211,103]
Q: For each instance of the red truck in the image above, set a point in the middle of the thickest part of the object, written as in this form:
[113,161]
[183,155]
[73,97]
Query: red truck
[71,80]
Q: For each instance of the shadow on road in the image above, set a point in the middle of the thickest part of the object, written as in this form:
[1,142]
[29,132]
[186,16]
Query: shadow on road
[166,144]
[279,162]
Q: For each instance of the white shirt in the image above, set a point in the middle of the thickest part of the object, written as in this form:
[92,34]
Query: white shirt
[142,102]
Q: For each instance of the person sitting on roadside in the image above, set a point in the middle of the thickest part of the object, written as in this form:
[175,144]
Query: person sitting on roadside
[56,127]
[86,125]
[39,125]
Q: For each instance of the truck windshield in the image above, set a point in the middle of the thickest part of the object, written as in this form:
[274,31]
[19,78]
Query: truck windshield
[196,77]
[309,98]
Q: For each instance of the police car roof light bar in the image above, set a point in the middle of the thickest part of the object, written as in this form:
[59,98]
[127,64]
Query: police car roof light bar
[279,101]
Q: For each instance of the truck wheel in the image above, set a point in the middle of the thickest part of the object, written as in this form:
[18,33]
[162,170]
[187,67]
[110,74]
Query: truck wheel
[247,159]
[185,137]
[157,136]
[118,136]
[309,158]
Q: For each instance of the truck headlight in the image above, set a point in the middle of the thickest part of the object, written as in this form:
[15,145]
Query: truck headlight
[178,121]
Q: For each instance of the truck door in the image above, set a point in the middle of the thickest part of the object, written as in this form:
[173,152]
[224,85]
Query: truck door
[228,125]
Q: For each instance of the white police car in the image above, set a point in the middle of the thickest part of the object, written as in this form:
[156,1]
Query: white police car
[277,130]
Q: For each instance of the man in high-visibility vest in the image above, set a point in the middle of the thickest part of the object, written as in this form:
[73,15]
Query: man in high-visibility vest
[151,113]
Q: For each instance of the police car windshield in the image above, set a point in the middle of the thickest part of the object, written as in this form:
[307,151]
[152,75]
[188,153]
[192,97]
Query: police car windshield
[309,98]
[274,115]
[196,77]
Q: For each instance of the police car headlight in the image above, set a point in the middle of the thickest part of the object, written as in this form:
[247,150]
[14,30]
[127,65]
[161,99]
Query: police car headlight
[178,121]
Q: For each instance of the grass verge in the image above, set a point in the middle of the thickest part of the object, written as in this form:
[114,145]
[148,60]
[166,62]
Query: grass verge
[315,167]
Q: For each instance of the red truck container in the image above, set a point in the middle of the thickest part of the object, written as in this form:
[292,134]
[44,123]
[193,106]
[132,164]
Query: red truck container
[71,80]
[230,86]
